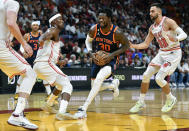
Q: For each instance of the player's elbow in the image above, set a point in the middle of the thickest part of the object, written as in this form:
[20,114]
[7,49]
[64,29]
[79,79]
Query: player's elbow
[10,23]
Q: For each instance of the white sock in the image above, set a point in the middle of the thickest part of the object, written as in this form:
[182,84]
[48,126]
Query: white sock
[48,89]
[142,97]
[17,89]
[20,105]
[107,85]
[63,106]
[94,90]
[169,96]
[51,99]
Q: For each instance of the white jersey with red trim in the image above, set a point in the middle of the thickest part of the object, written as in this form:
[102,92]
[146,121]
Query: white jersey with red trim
[6,5]
[49,52]
[162,38]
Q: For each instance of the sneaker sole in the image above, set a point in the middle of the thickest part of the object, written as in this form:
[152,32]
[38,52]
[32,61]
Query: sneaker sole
[65,117]
[175,101]
[21,126]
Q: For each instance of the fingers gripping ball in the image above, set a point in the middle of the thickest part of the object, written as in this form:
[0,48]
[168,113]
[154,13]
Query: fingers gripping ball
[100,58]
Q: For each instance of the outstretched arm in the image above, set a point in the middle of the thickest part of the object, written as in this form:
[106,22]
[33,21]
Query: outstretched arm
[146,42]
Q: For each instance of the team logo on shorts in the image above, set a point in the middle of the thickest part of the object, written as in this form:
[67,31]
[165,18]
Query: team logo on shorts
[166,64]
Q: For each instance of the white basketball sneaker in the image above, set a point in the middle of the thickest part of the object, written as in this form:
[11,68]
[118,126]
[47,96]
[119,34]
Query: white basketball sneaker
[169,104]
[20,120]
[80,114]
[137,107]
[65,116]
[116,88]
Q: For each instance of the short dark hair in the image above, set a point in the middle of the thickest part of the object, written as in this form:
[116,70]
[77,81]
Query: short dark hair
[107,11]
[158,5]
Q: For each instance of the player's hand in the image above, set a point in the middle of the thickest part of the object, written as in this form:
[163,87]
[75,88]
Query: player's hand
[28,50]
[25,55]
[108,58]
[172,38]
[131,45]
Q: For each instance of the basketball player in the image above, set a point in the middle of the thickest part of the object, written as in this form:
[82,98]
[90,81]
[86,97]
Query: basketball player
[168,35]
[46,69]
[11,63]
[106,37]
[33,40]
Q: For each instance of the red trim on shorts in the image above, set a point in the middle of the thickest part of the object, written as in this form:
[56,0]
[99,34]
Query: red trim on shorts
[20,73]
[15,54]
[174,48]
[51,65]
[93,78]
[152,64]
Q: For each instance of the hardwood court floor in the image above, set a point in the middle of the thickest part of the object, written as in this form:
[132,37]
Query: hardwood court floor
[108,114]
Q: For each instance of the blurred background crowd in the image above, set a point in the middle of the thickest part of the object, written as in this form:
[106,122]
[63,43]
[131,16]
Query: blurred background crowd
[132,16]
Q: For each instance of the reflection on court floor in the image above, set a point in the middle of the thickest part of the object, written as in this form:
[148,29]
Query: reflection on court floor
[108,114]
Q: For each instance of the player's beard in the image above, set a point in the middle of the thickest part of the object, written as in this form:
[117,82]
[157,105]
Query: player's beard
[154,18]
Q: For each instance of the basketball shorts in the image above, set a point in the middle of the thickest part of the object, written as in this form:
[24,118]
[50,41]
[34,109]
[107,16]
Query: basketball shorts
[168,61]
[47,71]
[11,63]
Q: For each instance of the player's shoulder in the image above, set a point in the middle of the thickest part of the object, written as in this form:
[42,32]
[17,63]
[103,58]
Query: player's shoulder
[93,31]
[118,31]
[169,20]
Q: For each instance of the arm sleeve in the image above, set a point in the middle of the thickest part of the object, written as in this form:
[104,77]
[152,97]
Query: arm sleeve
[88,43]
[181,35]
[12,6]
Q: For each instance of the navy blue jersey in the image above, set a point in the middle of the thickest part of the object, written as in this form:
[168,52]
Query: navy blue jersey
[33,41]
[105,42]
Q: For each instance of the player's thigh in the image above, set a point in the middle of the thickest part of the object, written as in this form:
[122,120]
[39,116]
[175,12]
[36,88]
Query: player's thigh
[171,62]
[47,71]
[11,63]
[94,70]
[156,61]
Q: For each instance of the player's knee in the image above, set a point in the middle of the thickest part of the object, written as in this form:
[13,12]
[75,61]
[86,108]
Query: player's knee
[68,88]
[30,73]
[160,81]
[146,77]
[62,82]
[104,73]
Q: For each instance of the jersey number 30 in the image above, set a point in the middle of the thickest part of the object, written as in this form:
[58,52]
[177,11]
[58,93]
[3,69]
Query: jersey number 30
[104,47]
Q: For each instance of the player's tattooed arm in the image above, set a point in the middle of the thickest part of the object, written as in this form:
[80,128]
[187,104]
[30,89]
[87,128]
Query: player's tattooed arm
[46,36]
[122,39]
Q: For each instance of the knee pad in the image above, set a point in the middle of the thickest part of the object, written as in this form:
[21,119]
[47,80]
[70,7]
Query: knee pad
[31,73]
[146,77]
[148,73]
[92,83]
[45,83]
[28,81]
[104,73]
[160,79]
[63,83]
